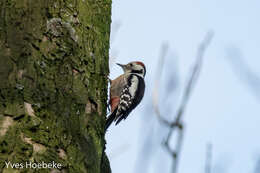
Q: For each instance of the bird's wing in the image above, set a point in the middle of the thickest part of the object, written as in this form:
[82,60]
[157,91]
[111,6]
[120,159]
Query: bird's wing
[126,104]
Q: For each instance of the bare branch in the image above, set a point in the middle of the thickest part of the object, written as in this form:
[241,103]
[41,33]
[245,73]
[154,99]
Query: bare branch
[155,93]
[243,71]
[208,158]
[194,75]
[187,92]
[177,150]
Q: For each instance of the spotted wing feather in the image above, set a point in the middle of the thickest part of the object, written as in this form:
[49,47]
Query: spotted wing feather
[128,98]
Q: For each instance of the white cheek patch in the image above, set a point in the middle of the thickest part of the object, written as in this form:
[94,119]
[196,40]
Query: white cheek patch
[138,68]
[141,69]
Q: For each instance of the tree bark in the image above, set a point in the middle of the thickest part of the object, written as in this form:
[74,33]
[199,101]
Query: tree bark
[53,84]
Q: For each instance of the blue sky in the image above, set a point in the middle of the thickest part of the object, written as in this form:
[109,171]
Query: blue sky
[222,110]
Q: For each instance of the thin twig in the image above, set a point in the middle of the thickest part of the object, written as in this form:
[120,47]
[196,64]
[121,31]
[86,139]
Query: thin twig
[243,71]
[194,74]
[180,111]
[208,158]
[177,150]
[155,93]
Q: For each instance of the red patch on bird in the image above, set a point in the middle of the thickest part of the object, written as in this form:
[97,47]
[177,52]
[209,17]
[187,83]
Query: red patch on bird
[140,63]
[114,103]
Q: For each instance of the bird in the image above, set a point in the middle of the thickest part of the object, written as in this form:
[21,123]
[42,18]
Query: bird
[126,91]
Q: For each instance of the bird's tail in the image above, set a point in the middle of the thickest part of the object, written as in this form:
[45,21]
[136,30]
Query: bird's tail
[110,119]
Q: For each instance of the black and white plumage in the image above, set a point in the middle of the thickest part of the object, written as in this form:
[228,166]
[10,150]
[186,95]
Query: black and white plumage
[126,91]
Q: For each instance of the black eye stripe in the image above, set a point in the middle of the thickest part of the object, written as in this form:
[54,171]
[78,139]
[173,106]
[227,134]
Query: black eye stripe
[137,71]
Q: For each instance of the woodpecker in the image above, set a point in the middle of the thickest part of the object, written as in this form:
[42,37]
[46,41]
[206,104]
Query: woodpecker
[126,91]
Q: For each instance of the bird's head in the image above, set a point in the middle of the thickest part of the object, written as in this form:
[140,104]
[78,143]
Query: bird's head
[135,67]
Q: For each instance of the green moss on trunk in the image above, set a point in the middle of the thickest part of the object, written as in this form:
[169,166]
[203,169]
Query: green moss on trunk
[53,89]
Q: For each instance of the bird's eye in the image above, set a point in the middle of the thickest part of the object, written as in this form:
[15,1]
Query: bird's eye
[131,65]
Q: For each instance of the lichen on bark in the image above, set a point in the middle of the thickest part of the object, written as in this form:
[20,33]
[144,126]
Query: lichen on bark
[53,89]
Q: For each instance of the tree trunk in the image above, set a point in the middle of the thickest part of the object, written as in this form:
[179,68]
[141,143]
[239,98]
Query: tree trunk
[53,84]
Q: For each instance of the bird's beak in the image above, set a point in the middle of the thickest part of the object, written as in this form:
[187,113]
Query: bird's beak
[121,65]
